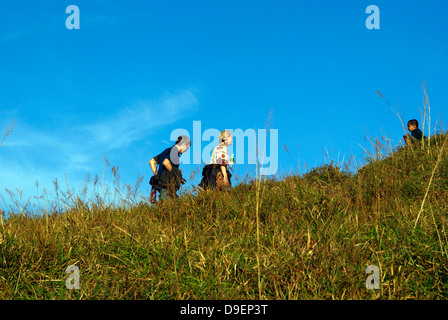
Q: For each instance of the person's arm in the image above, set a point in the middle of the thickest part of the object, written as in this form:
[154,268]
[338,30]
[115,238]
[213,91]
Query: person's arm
[224,160]
[167,164]
[406,139]
[153,165]
[224,174]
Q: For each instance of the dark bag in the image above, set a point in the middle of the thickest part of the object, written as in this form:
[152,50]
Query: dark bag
[154,181]
[167,179]
[209,173]
[171,180]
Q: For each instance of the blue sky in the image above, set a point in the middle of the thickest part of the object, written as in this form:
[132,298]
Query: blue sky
[137,70]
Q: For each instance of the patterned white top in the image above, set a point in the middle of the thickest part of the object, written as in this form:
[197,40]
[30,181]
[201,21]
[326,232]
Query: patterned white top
[220,155]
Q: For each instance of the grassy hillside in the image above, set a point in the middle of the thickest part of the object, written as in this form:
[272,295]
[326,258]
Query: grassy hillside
[299,237]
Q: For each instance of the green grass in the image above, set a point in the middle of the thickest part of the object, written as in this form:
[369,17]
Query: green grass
[297,237]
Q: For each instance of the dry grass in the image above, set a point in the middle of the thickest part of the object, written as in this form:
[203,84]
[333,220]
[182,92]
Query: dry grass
[301,237]
[308,236]
[8,131]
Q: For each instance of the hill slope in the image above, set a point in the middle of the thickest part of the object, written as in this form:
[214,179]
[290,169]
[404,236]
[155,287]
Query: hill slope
[304,237]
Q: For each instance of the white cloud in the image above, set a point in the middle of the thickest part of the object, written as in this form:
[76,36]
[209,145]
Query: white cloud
[30,154]
[136,122]
[13,35]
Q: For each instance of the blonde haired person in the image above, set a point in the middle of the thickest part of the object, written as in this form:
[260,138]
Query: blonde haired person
[217,174]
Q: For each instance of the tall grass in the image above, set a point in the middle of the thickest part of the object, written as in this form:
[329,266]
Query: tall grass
[302,236]
[305,237]
[8,131]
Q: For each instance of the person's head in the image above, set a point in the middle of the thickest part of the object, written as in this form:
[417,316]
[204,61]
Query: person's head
[412,125]
[226,137]
[183,143]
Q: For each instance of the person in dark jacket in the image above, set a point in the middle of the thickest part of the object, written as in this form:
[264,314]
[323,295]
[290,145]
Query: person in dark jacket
[416,133]
[168,177]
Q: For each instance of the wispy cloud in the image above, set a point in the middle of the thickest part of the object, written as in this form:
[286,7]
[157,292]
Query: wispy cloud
[14,35]
[33,154]
[136,122]
[128,125]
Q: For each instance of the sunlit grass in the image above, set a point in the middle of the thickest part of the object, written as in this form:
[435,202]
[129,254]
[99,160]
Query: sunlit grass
[297,236]
[305,236]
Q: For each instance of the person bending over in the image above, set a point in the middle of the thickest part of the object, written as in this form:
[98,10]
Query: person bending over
[168,178]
